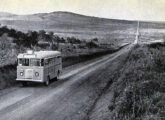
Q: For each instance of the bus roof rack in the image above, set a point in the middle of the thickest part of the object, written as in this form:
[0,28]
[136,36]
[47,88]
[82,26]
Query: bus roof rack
[40,54]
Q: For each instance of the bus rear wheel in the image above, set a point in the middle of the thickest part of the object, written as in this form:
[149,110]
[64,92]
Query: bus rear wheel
[58,75]
[47,81]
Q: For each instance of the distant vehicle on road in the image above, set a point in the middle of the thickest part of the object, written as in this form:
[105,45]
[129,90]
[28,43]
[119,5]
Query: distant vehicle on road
[39,66]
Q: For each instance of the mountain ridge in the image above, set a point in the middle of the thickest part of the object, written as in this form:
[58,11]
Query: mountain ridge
[76,14]
[60,12]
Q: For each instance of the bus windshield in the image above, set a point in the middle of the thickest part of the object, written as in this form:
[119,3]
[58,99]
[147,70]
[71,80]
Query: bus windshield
[30,62]
[35,62]
[23,62]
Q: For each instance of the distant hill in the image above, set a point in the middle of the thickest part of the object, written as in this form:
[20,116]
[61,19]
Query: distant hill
[5,14]
[70,24]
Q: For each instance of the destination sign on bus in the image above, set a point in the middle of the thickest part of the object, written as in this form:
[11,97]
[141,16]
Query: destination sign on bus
[29,56]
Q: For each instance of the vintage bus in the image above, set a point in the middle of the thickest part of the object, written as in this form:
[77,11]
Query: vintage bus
[39,66]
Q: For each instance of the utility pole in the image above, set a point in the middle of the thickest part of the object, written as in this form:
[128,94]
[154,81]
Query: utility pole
[137,34]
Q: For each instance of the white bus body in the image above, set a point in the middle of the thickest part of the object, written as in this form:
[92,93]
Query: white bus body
[40,66]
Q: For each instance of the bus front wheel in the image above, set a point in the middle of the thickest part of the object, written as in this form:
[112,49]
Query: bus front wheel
[58,75]
[47,81]
[24,84]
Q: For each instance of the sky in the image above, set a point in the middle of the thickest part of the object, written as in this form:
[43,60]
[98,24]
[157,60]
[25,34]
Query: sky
[150,10]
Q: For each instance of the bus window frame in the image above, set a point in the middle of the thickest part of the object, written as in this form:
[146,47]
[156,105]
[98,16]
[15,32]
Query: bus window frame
[36,60]
[24,62]
[58,56]
[46,62]
[51,61]
[42,62]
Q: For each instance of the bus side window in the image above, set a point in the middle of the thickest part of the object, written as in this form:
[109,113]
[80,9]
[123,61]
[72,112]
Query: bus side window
[50,61]
[20,61]
[46,62]
[42,62]
[26,62]
[59,59]
[54,60]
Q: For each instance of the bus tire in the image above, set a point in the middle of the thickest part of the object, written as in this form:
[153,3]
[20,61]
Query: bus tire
[24,84]
[58,75]
[47,81]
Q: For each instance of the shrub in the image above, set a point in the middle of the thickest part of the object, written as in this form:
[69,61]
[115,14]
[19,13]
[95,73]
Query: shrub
[138,94]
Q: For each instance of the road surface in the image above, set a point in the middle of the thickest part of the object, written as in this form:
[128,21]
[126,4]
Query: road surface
[65,99]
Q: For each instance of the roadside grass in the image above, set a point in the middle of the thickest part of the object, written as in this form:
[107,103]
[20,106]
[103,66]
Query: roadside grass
[70,60]
[139,86]
[7,76]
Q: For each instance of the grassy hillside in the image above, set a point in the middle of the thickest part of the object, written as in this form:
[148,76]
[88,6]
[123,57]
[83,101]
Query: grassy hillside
[138,93]
[66,24]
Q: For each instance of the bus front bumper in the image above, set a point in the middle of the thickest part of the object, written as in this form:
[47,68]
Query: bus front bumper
[29,80]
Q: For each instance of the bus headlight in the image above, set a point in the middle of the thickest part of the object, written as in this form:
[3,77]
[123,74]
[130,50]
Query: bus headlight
[21,73]
[36,74]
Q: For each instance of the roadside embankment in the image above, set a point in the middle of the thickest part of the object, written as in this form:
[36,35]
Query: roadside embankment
[137,87]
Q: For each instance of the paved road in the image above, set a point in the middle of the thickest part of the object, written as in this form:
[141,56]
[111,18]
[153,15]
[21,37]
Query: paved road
[61,100]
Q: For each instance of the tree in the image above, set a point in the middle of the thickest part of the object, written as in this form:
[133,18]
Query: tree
[95,40]
[50,39]
[5,47]
[73,40]
[92,44]
[42,35]
[19,38]
[12,33]
[32,38]
[3,30]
